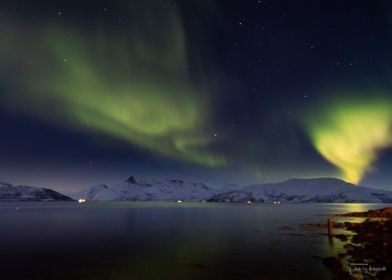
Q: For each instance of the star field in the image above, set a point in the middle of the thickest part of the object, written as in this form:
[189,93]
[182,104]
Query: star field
[217,91]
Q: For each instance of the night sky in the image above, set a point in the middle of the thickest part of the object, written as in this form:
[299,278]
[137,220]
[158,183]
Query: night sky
[214,91]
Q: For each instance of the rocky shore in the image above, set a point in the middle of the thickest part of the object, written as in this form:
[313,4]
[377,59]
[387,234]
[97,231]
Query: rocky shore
[368,253]
[379,213]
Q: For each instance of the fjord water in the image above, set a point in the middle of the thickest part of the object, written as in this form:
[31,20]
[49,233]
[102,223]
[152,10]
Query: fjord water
[157,240]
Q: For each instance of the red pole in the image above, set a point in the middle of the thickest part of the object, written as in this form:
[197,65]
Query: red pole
[330,225]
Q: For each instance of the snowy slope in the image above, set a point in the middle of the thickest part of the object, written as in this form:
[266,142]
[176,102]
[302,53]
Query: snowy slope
[294,190]
[144,190]
[306,190]
[11,192]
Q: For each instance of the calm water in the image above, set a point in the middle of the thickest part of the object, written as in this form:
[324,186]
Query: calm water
[130,240]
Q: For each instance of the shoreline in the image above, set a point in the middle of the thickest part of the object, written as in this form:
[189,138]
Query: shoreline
[367,253]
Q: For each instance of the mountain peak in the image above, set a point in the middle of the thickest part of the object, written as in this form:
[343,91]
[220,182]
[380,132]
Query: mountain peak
[11,192]
[131,180]
[142,190]
[325,190]
[324,180]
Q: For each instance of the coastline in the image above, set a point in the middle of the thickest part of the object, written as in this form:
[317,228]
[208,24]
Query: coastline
[368,251]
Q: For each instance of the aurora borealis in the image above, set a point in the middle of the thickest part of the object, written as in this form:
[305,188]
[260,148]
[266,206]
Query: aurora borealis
[117,87]
[208,90]
[350,135]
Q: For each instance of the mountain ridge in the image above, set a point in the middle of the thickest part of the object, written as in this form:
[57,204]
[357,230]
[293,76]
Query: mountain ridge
[11,192]
[136,189]
[296,190]
[325,190]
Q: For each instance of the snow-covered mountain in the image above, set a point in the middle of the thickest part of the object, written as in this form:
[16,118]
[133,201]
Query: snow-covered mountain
[144,190]
[327,190]
[11,192]
[306,190]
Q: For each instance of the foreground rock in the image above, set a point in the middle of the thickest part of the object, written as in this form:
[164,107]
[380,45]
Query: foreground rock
[369,252]
[379,213]
[27,193]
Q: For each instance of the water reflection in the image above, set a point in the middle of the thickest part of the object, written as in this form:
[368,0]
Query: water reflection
[125,240]
[354,207]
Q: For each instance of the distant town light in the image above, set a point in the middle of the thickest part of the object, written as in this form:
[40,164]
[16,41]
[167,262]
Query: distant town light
[82,200]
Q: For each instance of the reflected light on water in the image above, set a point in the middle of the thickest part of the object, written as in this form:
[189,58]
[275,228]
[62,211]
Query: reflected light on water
[355,207]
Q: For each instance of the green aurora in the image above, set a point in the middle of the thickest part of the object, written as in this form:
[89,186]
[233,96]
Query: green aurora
[133,84]
[157,83]
[351,134]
